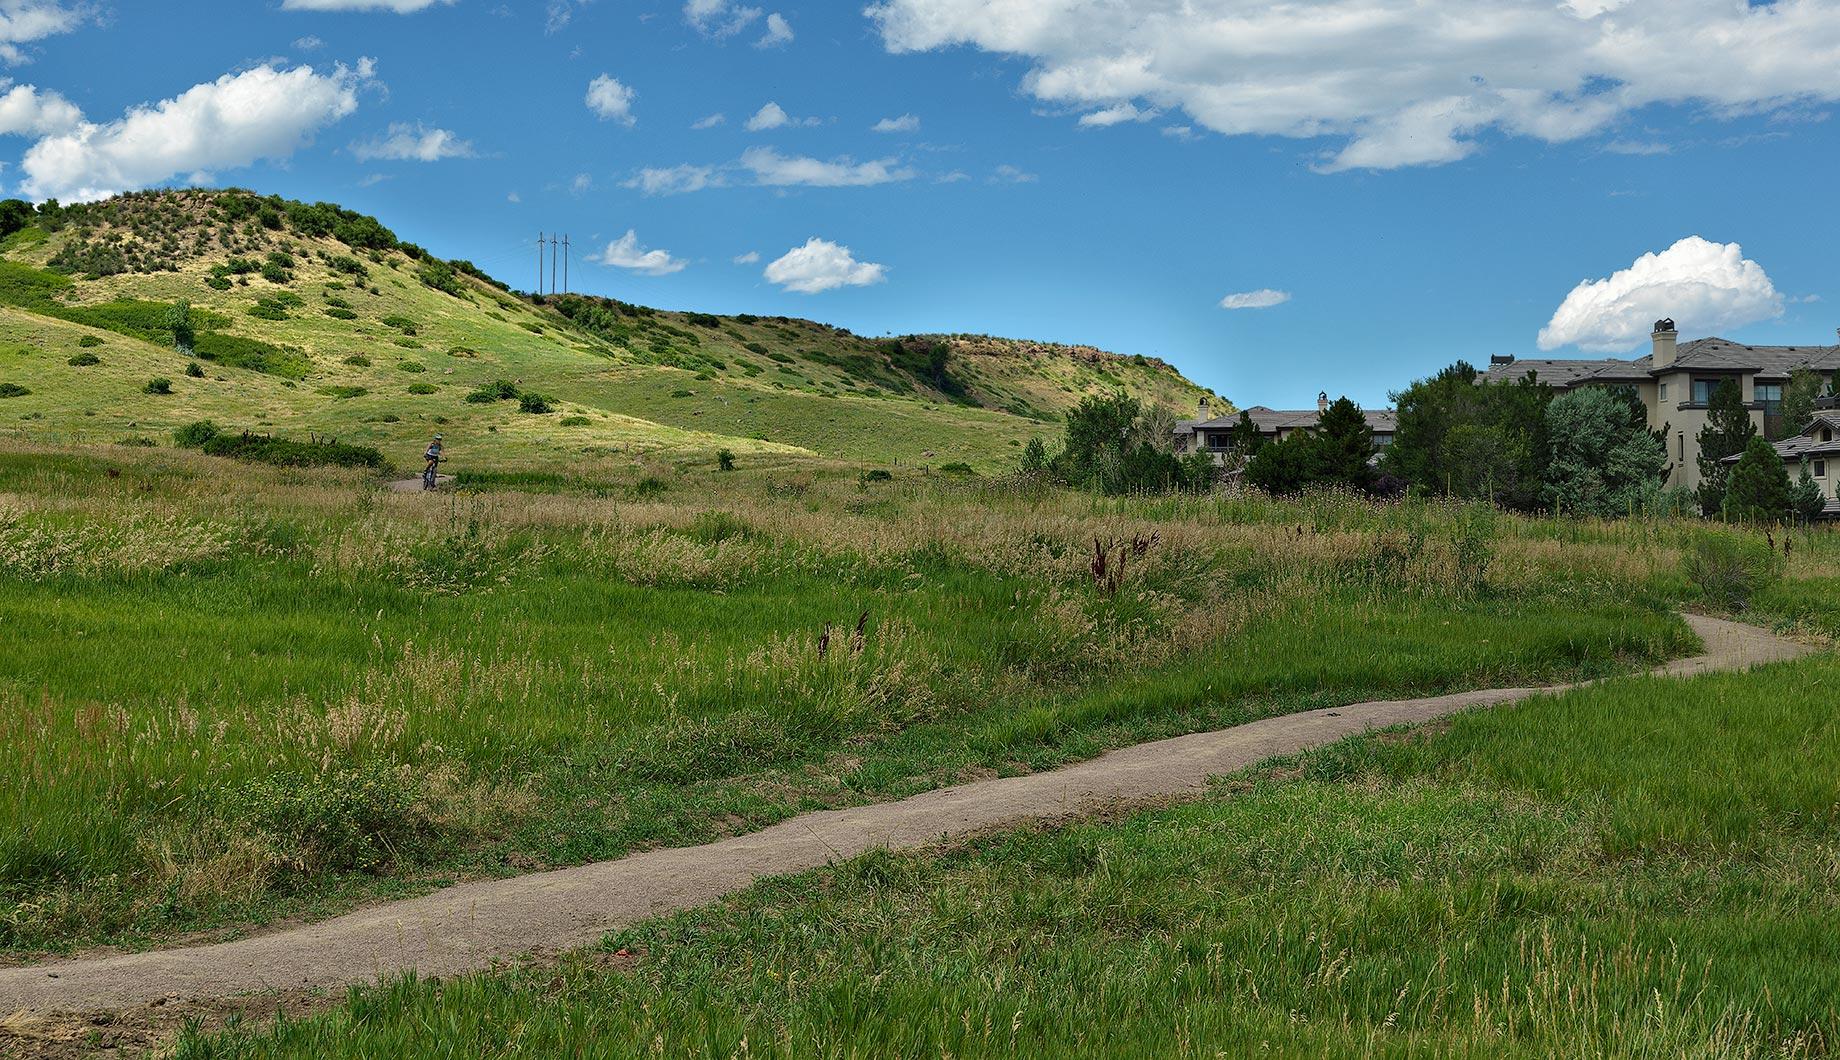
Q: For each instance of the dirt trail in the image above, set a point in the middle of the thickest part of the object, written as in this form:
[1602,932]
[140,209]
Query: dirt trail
[470,926]
[414,485]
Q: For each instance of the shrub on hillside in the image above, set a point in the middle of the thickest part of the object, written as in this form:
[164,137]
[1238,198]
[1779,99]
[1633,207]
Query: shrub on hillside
[195,434]
[412,367]
[11,390]
[497,390]
[159,384]
[423,388]
[340,313]
[83,360]
[358,360]
[535,404]
[192,370]
[89,342]
[400,323]
[725,459]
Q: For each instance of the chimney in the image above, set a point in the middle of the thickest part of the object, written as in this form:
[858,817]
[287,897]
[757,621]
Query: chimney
[1667,343]
[1322,402]
[1501,358]
[1204,409]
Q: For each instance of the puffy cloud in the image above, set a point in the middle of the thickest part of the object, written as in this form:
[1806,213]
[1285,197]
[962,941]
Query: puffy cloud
[774,169]
[611,100]
[821,265]
[709,122]
[774,116]
[779,32]
[904,124]
[26,110]
[719,18]
[412,143]
[675,180]
[26,21]
[400,7]
[626,253]
[749,258]
[1263,298]
[1705,286]
[1396,82]
[238,119]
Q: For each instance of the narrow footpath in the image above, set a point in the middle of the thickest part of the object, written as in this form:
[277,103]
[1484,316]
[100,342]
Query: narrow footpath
[471,926]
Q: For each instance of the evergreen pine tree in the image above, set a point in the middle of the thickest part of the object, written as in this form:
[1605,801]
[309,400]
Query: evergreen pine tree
[1728,430]
[1343,445]
[1805,497]
[1758,490]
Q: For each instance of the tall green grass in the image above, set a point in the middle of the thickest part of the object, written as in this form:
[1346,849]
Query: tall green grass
[1639,869]
[232,692]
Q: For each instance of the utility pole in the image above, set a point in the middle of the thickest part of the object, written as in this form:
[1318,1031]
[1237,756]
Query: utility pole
[540,242]
[555,249]
[565,264]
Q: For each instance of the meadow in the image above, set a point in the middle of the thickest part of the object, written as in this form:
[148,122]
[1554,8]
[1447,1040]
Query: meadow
[1644,868]
[234,692]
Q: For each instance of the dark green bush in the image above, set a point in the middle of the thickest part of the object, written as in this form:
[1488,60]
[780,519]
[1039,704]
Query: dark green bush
[265,449]
[412,367]
[9,390]
[192,370]
[725,459]
[159,384]
[347,818]
[535,404]
[877,475]
[89,342]
[83,360]
[340,313]
[423,388]
[193,435]
[574,421]
[358,360]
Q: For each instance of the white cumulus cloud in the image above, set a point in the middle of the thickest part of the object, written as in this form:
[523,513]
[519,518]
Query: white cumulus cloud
[719,18]
[27,21]
[262,113]
[626,253]
[903,124]
[1395,82]
[611,100]
[412,143]
[24,110]
[1702,285]
[776,170]
[779,31]
[1263,298]
[821,265]
[675,180]
[774,116]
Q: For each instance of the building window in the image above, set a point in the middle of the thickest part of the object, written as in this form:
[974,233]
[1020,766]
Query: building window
[1681,439]
[1664,392]
[1827,434]
[1769,395]
[1820,469]
[1702,391]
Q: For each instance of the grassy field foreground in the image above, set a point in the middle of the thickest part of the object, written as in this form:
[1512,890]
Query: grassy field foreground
[1644,868]
[233,692]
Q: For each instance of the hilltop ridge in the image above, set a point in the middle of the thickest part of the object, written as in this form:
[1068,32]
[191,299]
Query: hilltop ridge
[314,318]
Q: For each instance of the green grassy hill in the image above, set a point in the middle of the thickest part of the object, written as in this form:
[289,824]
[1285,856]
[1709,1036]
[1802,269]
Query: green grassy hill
[314,321]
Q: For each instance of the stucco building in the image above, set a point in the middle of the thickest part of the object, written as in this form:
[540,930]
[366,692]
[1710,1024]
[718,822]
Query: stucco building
[1675,382]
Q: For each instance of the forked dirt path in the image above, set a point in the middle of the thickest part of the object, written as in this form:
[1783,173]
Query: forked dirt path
[470,926]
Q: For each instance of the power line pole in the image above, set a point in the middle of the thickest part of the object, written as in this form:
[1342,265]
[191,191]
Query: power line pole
[555,249]
[565,264]
[540,242]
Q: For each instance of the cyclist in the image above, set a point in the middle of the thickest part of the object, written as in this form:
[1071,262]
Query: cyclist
[433,456]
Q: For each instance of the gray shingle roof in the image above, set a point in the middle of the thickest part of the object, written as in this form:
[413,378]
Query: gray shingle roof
[1713,354]
[1384,421]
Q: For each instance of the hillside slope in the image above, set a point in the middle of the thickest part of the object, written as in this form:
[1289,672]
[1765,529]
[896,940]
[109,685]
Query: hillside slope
[309,319]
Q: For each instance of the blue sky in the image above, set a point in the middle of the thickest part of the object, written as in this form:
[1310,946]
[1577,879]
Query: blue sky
[1078,171]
